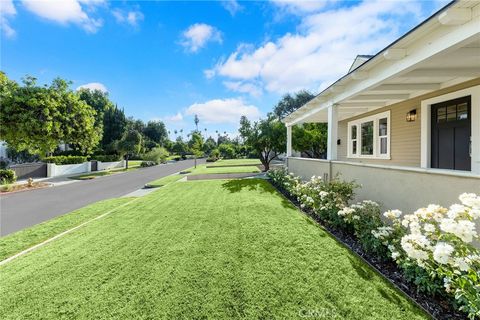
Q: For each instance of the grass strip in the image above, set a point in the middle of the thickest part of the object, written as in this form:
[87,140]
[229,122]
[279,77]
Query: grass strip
[26,238]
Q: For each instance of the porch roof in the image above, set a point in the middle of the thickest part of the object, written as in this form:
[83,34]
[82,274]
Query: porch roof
[442,51]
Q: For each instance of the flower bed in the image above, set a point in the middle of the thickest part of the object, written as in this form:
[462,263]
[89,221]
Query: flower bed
[427,254]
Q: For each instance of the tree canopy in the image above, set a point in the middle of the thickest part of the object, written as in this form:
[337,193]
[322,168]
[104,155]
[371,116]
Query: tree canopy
[266,137]
[289,103]
[156,131]
[36,119]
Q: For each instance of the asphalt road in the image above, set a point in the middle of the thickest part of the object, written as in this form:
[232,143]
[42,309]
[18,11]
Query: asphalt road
[24,209]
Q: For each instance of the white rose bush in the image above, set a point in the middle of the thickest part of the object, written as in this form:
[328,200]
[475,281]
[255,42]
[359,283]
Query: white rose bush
[434,246]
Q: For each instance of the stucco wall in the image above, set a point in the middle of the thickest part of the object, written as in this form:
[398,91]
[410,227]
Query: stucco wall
[395,188]
[110,165]
[54,170]
[404,136]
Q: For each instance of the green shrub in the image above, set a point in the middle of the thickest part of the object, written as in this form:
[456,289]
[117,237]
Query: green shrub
[107,157]
[156,155]
[7,176]
[59,160]
[145,164]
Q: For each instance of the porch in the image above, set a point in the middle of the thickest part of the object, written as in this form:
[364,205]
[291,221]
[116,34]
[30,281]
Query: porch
[405,124]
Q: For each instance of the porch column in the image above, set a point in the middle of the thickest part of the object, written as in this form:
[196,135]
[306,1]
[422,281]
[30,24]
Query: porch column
[289,141]
[332,132]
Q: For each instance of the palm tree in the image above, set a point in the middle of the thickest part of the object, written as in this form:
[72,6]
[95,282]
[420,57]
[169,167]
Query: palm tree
[181,132]
[205,133]
[196,121]
[176,132]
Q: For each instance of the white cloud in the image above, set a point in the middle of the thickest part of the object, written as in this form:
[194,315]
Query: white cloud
[301,6]
[227,111]
[175,118]
[197,36]
[232,6]
[93,86]
[132,17]
[244,87]
[323,48]
[7,11]
[66,12]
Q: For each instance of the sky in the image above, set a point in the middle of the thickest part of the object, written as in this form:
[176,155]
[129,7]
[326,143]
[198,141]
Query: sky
[170,60]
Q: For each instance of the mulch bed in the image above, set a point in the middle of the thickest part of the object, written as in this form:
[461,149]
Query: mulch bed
[437,307]
[24,187]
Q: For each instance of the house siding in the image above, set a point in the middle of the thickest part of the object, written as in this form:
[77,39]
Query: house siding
[405,148]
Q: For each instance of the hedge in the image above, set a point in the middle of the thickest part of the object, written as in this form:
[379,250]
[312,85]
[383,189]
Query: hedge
[7,176]
[107,157]
[59,160]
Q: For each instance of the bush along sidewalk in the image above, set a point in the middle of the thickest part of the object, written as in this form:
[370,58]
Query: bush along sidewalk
[428,254]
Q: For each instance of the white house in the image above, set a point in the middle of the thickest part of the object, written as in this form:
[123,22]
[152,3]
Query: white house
[405,123]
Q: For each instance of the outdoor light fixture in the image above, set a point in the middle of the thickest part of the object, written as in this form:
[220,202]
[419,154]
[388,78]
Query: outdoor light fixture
[412,115]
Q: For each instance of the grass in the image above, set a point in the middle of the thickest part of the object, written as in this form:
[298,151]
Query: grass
[196,250]
[165,180]
[202,169]
[26,238]
[235,162]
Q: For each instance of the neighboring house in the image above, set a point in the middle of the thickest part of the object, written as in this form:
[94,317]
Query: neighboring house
[405,123]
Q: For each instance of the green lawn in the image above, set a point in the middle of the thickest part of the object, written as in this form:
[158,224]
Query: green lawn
[26,238]
[199,250]
[166,180]
[202,169]
[235,162]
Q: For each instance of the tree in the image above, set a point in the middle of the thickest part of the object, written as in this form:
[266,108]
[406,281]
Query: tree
[180,147]
[114,126]
[227,151]
[130,143]
[196,120]
[196,145]
[98,100]
[209,145]
[311,138]
[289,103]
[266,137]
[156,131]
[36,119]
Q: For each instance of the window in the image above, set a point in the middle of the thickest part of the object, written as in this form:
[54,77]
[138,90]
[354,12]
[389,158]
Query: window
[353,143]
[370,137]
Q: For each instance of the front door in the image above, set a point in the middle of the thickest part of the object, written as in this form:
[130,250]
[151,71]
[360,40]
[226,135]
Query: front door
[451,131]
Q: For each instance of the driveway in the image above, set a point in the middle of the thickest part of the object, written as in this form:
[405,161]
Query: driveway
[24,209]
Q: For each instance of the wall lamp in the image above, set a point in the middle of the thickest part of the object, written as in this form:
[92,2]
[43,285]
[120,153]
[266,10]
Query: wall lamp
[412,115]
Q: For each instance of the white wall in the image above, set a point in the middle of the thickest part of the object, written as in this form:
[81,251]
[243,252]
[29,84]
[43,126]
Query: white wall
[54,170]
[110,165]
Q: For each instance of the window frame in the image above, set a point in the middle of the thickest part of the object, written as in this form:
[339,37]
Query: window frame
[376,137]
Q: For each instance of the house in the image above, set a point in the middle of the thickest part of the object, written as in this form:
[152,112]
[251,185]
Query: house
[405,123]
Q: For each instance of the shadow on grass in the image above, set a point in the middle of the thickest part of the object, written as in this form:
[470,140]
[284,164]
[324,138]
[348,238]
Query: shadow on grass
[362,270]
[262,186]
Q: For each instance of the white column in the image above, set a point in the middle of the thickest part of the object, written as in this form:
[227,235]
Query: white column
[289,141]
[332,133]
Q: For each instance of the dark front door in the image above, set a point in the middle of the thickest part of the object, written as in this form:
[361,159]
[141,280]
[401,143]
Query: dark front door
[451,131]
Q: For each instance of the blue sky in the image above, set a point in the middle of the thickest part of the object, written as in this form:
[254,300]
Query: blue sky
[218,59]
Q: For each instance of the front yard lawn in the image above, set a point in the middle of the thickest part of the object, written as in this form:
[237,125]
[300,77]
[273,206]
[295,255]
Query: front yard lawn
[202,169]
[196,250]
[235,162]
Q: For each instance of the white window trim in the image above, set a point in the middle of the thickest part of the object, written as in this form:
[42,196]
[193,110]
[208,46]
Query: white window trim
[376,137]
[426,116]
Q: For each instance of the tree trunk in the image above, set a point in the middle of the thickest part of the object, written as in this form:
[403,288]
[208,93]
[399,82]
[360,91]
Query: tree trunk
[195,162]
[126,162]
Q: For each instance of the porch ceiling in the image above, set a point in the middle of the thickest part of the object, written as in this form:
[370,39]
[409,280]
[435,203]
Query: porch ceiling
[438,54]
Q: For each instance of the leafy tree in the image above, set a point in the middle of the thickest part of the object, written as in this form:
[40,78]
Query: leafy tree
[209,145]
[130,144]
[135,124]
[196,145]
[98,100]
[156,131]
[289,103]
[180,147]
[227,151]
[311,138]
[157,155]
[114,126]
[266,137]
[37,119]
